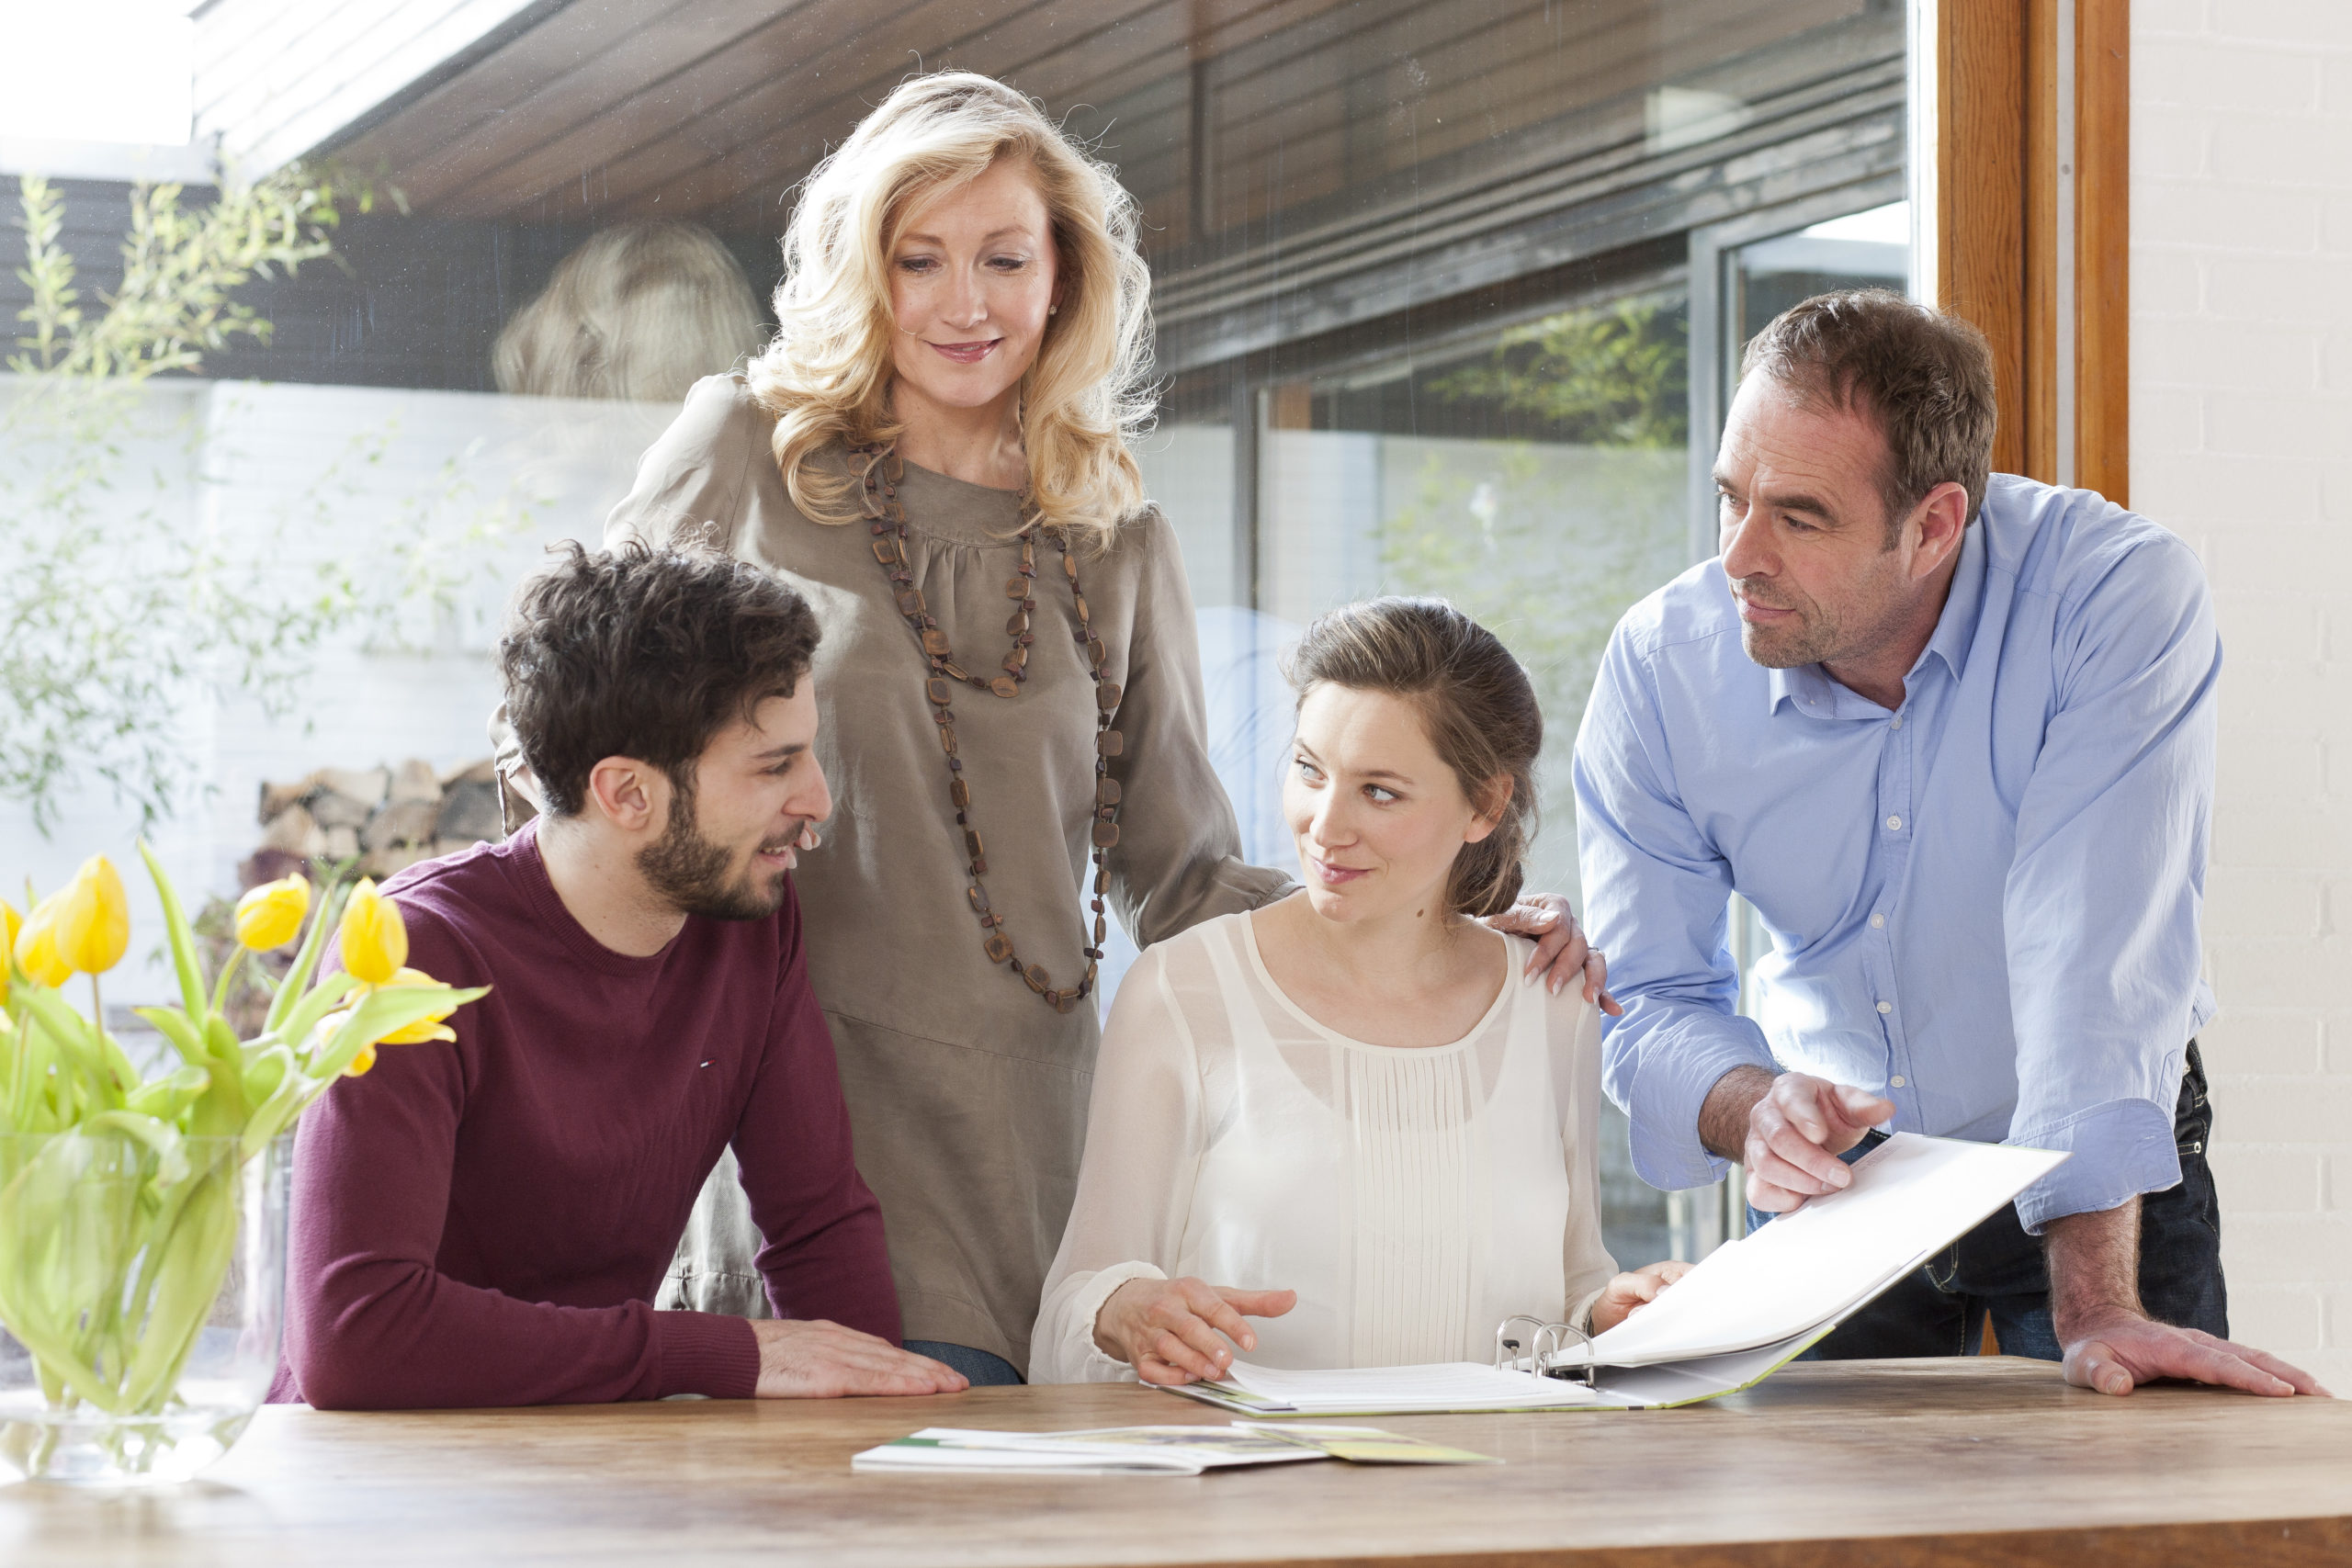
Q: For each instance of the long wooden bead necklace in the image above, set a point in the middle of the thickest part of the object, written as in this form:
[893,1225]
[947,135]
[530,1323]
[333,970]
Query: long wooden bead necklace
[886,517]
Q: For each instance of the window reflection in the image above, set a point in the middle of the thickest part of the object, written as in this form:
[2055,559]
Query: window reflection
[1448,293]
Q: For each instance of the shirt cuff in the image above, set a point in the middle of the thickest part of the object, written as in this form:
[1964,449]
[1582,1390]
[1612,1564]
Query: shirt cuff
[1671,1082]
[1098,1367]
[2117,1152]
[702,1352]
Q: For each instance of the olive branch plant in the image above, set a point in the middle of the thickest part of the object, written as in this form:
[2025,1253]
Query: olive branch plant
[119,601]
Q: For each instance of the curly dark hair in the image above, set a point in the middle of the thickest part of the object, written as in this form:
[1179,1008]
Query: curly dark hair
[643,653]
[1480,710]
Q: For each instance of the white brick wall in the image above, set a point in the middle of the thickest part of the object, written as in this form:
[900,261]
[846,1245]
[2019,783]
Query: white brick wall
[340,473]
[2242,440]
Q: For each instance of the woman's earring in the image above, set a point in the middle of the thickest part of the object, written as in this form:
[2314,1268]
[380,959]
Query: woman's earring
[1053,310]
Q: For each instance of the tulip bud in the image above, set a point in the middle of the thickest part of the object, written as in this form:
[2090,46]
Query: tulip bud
[372,939]
[429,1027]
[269,916]
[36,945]
[9,922]
[93,918]
[327,1029]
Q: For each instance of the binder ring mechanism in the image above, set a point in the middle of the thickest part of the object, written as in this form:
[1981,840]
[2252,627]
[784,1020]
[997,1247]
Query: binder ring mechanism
[1547,1344]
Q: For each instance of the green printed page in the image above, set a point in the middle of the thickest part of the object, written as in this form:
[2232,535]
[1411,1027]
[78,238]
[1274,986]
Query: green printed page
[1366,1444]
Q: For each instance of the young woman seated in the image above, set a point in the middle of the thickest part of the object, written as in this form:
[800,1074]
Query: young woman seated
[1342,1115]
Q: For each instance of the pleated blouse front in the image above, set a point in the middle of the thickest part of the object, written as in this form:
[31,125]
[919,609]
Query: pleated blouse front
[1413,1198]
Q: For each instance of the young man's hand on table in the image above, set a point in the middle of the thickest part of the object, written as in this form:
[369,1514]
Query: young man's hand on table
[812,1358]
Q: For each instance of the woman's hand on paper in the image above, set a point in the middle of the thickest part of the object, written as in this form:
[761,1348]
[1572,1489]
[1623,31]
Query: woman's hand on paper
[813,1358]
[1562,955]
[1629,1293]
[1796,1126]
[1175,1331]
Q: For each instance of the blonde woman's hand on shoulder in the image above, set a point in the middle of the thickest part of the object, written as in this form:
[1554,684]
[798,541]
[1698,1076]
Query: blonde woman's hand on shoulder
[1629,1293]
[1175,1331]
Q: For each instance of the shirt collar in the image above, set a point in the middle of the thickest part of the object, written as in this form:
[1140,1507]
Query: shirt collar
[1956,627]
[1804,686]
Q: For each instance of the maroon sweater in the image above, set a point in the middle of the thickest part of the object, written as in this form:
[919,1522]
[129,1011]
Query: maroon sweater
[485,1222]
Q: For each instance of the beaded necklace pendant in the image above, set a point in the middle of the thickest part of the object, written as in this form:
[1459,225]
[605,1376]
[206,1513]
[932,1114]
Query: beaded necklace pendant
[886,518]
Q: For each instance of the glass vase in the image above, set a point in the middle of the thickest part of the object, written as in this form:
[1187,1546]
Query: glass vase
[142,1292]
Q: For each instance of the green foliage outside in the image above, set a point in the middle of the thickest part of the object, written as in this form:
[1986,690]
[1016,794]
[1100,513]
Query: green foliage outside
[1612,375]
[1549,542]
[125,597]
[113,607]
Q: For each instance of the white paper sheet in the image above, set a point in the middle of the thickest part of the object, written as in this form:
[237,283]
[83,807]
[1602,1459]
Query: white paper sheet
[1911,1196]
[1444,1385]
[1116,1450]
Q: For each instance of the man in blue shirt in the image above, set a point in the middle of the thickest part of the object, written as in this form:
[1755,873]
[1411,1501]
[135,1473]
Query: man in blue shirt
[1952,735]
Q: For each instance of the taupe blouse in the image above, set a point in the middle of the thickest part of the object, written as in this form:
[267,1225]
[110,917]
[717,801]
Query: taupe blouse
[967,1093]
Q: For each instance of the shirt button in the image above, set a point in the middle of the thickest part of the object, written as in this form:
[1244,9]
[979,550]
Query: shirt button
[1895,824]
[1878,922]
[1898,721]
[1897,1080]
[1886,1007]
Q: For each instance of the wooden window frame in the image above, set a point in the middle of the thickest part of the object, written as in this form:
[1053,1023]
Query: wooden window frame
[2026,219]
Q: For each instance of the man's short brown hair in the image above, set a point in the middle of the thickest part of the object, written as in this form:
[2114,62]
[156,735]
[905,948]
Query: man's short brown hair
[644,653]
[1925,377]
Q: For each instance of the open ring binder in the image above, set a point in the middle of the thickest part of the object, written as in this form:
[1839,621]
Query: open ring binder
[1549,1343]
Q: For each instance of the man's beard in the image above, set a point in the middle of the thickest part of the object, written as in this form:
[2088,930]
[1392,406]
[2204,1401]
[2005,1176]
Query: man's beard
[1811,638]
[692,872]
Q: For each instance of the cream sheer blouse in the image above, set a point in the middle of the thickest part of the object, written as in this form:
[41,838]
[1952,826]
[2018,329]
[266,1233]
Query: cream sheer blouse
[1413,1197]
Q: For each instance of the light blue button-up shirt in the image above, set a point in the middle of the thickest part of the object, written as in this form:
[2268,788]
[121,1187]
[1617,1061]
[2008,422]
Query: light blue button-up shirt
[1982,904]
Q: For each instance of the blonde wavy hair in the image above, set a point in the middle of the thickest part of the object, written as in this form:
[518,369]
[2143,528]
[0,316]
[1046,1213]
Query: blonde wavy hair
[826,374]
[640,312]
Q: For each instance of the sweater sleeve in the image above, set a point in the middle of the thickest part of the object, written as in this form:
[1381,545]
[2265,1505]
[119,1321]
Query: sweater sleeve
[1144,1138]
[372,1325]
[1178,859]
[824,1255]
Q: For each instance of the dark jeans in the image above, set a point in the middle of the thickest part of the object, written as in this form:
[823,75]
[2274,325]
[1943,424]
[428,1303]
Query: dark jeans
[985,1369]
[1997,1270]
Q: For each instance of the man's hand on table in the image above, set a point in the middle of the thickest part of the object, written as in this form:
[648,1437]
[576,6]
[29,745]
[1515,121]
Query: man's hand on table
[812,1358]
[2112,1345]
[1788,1129]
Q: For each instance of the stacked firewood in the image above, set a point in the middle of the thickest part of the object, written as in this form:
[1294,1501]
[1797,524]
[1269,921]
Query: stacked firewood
[376,820]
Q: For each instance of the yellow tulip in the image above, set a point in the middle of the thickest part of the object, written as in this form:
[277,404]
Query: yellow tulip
[429,1027]
[93,919]
[36,945]
[372,939]
[326,1030]
[269,916]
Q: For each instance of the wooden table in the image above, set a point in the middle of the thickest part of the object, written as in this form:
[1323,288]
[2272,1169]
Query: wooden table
[1974,1460]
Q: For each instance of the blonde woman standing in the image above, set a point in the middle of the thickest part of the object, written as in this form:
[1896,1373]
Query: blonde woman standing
[933,451]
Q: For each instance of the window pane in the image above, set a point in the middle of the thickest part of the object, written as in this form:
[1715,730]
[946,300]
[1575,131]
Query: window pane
[1445,290]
